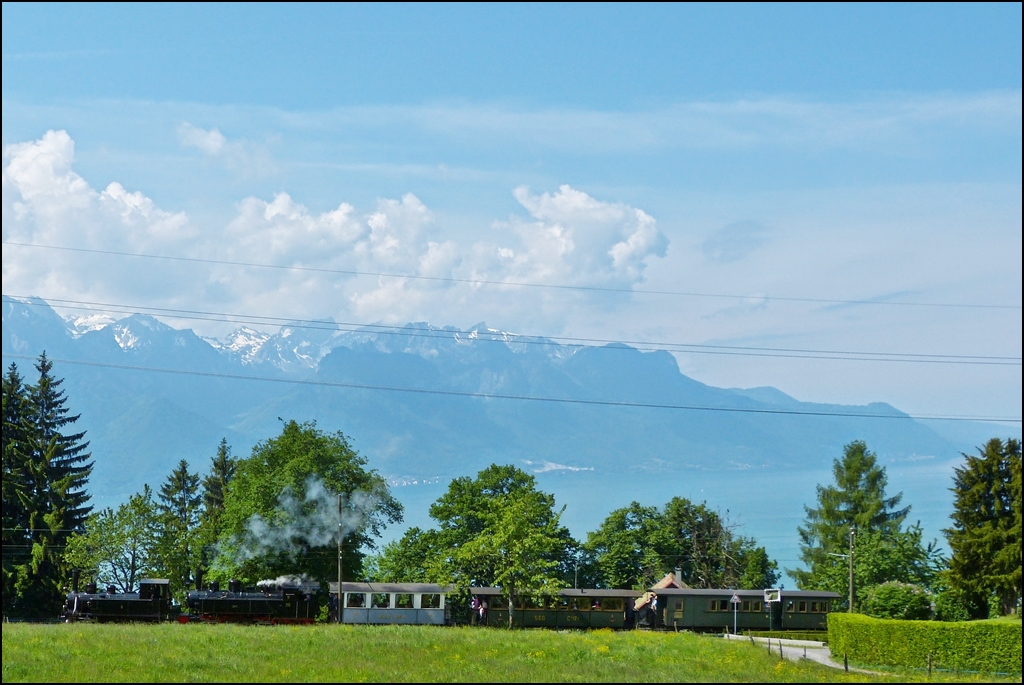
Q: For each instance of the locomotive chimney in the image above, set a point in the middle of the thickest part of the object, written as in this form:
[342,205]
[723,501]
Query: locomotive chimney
[75,575]
[199,578]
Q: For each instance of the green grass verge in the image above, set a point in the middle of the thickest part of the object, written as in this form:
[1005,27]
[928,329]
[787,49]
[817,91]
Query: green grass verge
[170,652]
[815,635]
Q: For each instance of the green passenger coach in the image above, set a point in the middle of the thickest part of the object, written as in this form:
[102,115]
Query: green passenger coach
[716,610]
[569,608]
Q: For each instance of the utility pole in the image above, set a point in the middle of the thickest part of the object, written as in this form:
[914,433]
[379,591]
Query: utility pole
[341,594]
[850,609]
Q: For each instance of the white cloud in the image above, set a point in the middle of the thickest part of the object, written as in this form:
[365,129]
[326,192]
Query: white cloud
[576,239]
[244,157]
[568,237]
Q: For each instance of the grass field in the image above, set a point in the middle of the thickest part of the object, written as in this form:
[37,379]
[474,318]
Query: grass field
[170,652]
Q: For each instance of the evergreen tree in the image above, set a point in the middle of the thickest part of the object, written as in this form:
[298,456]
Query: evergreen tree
[57,468]
[857,500]
[179,547]
[16,539]
[986,535]
[222,470]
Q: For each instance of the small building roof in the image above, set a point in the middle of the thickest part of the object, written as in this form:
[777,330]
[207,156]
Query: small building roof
[154,581]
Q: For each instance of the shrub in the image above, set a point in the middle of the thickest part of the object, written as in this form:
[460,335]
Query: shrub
[987,646]
[898,600]
[952,604]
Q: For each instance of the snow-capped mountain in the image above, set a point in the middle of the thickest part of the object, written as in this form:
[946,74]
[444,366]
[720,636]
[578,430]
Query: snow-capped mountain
[151,394]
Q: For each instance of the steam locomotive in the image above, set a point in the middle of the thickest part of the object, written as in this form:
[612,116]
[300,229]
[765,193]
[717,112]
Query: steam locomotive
[269,603]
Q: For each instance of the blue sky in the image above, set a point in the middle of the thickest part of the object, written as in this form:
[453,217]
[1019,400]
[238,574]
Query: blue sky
[843,152]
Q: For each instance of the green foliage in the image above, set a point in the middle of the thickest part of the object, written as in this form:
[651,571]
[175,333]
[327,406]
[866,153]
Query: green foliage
[986,532]
[894,599]
[883,550]
[473,508]
[46,469]
[636,546]
[628,547]
[957,604]
[180,547]
[118,547]
[16,430]
[880,557]
[296,476]
[988,646]
[412,559]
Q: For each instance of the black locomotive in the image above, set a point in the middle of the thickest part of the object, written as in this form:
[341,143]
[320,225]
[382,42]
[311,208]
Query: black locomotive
[151,603]
[269,603]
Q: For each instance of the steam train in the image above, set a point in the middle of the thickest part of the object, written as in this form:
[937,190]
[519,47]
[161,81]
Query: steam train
[666,606]
[269,603]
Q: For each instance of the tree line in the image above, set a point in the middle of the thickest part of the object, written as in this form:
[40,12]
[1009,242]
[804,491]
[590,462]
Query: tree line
[898,575]
[276,512]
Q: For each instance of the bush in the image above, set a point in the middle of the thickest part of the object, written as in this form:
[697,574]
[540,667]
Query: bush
[898,600]
[952,604]
[986,646]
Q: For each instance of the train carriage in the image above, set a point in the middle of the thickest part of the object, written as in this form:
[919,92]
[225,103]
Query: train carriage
[713,610]
[569,608]
[393,603]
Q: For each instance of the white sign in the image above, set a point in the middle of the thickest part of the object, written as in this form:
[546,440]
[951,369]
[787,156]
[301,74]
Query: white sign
[735,599]
[772,595]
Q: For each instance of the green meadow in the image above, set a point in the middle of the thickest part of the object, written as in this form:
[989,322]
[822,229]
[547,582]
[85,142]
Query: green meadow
[171,652]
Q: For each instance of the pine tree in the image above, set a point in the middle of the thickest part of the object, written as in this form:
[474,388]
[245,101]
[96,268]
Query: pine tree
[57,468]
[986,536]
[222,470]
[180,547]
[857,500]
[16,541]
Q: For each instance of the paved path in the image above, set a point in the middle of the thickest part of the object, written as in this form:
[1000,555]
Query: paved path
[794,650]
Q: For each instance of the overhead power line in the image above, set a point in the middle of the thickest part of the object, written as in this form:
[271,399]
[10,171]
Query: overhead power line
[524,398]
[642,345]
[515,284]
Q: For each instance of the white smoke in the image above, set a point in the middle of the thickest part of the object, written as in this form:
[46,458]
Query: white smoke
[300,581]
[302,522]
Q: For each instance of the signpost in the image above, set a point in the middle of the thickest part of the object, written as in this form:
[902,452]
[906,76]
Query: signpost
[735,607]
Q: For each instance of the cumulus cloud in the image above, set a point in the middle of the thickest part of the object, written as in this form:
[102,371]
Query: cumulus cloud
[577,239]
[349,259]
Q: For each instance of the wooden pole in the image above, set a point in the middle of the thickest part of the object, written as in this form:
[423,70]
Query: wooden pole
[341,594]
[850,609]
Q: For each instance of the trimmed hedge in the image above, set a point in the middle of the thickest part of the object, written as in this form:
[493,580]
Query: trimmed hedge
[986,646]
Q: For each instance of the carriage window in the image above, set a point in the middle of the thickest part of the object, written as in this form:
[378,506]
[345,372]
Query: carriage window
[814,607]
[789,607]
[724,605]
[497,602]
[381,600]
[757,605]
[802,607]
[430,601]
[678,604]
[403,600]
[356,600]
[824,607]
[713,605]
[595,605]
[746,605]
[614,604]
